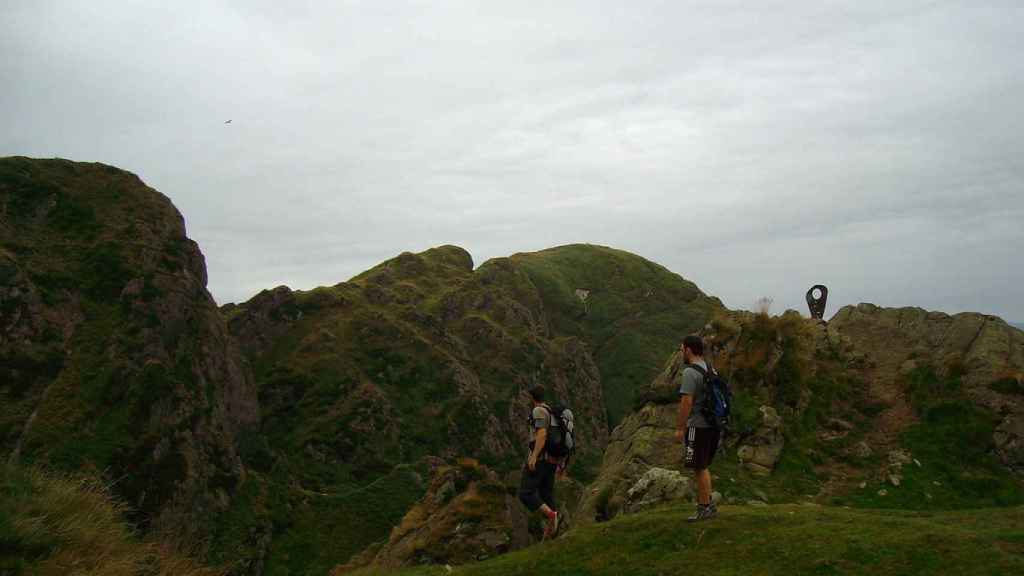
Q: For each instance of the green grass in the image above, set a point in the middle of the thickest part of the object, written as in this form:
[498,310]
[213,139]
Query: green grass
[52,525]
[313,531]
[327,530]
[784,540]
[956,466]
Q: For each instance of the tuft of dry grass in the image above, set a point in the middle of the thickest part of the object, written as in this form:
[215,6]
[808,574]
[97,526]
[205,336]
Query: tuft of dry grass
[57,525]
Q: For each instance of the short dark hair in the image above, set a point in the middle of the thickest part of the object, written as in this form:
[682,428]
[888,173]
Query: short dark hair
[537,393]
[695,344]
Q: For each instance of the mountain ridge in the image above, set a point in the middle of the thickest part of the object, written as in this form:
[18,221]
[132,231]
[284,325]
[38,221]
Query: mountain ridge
[292,432]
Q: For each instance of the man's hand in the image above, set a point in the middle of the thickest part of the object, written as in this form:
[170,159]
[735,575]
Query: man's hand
[679,434]
[532,463]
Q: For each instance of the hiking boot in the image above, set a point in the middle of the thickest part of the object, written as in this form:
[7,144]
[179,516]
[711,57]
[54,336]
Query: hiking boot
[551,527]
[703,513]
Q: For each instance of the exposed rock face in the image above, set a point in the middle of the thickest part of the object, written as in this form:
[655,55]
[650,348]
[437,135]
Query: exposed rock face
[1009,439]
[760,451]
[113,355]
[759,356]
[984,351]
[984,348]
[267,317]
[643,441]
[657,486]
[465,516]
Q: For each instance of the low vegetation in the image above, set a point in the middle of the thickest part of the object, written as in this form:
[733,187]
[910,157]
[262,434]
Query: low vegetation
[57,525]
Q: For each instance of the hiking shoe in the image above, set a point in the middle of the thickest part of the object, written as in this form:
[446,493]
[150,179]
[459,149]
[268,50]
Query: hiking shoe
[703,513]
[551,527]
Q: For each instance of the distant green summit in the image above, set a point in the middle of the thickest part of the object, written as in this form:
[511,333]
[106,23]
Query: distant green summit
[629,310]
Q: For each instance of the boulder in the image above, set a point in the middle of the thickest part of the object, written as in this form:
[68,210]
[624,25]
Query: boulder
[761,451]
[1009,441]
[657,486]
[862,450]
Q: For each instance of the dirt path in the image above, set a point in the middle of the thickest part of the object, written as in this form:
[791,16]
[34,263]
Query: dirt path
[897,416]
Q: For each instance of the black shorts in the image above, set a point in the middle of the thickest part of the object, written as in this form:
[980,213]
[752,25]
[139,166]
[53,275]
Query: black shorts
[700,447]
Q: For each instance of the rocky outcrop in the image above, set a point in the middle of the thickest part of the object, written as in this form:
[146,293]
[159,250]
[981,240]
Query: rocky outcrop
[466,515]
[113,356]
[985,353]
[657,486]
[982,348]
[643,441]
[1009,441]
[763,358]
[760,452]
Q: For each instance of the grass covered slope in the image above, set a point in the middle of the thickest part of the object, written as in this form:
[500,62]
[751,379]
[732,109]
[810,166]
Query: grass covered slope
[630,311]
[783,540]
[52,525]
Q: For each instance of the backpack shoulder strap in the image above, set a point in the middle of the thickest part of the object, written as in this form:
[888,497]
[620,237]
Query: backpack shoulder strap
[698,368]
[551,413]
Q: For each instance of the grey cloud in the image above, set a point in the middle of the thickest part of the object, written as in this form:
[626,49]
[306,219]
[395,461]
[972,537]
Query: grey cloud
[756,148]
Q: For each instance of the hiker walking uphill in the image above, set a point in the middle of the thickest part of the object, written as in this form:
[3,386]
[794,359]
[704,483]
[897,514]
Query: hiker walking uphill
[700,421]
[549,436]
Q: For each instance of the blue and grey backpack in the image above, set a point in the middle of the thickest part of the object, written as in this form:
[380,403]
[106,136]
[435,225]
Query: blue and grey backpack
[716,404]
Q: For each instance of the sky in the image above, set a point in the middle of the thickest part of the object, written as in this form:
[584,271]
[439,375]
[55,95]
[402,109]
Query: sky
[755,148]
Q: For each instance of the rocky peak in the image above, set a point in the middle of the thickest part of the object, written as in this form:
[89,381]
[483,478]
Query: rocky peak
[115,358]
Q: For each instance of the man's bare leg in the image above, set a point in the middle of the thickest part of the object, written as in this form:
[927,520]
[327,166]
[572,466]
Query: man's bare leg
[703,480]
[705,510]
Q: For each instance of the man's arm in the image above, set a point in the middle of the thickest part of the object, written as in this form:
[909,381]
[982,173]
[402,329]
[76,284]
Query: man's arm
[538,447]
[685,405]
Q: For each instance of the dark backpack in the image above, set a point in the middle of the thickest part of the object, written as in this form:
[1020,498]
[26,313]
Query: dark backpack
[716,404]
[561,439]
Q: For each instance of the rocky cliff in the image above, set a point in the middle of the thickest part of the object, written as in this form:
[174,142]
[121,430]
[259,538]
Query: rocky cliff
[877,408]
[113,356]
[983,354]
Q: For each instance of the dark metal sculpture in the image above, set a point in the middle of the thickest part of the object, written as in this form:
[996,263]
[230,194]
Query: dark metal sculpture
[817,303]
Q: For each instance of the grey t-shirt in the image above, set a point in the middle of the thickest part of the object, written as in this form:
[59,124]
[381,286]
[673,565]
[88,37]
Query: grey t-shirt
[693,384]
[539,418]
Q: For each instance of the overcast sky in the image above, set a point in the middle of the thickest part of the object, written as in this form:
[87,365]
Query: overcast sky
[755,148]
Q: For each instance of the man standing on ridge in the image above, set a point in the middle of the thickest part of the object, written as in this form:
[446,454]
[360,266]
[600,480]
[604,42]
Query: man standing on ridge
[537,489]
[700,438]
